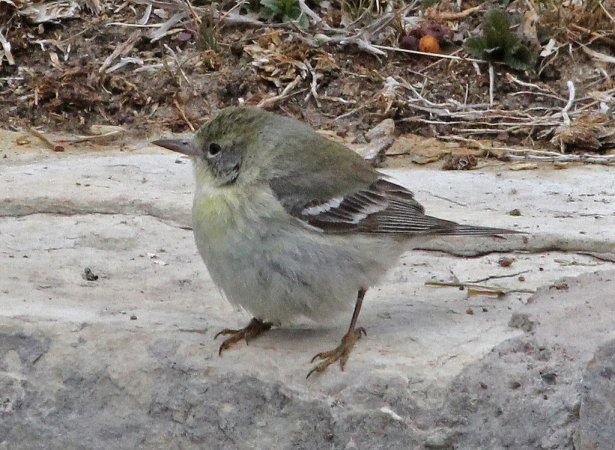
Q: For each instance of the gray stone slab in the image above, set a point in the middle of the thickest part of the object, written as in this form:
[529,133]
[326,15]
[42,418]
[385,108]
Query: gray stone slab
[129,360]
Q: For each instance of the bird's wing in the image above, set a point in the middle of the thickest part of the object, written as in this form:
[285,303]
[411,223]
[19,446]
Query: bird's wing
[380,207]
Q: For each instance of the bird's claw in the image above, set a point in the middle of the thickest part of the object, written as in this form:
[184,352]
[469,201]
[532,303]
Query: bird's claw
[250,331]
[341,353]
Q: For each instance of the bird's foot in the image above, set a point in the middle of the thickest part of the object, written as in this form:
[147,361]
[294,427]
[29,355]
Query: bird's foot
[340,353]
[252,330]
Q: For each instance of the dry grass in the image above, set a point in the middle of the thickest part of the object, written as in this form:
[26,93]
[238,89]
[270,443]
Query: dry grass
[594,19]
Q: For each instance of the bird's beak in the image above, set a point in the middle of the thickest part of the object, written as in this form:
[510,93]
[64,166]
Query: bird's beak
[178,145]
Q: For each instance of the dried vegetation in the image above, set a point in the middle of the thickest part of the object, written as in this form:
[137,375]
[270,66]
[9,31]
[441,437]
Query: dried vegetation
[536,75]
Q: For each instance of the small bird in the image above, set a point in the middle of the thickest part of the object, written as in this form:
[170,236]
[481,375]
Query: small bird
[290,223]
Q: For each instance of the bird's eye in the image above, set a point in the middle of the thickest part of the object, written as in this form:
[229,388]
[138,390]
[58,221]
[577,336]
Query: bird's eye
[214,149]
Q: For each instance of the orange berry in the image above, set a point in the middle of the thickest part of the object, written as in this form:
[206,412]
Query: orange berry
[429,44]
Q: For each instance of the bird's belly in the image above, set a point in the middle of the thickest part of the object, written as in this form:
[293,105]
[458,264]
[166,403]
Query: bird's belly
[278,269]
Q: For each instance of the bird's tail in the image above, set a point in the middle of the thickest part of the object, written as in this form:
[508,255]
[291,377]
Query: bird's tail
[481,231]
[444,227]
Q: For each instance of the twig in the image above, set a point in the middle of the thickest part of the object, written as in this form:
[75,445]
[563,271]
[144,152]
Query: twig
[477,289]
[522,154]
[350,113]
[266,102]
[595,36]
[493,277]
[436,55]
[541,93]
[360,42]
[195,16]
[183,114]
[491,83]
[472,143]
[448,200]
[179,65]
[314,18]
[313,83]
[108,136]
[49,143]
[599,56]
[510,77]
[607,12]
[455,15]
[133,25]
[606,160]
[571,95]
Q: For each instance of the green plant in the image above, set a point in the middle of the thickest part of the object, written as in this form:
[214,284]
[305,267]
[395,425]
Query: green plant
[207,37]
[283,11]
[499,44]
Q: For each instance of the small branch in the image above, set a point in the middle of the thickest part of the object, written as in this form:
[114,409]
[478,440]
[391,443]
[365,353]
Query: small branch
[571,95]
[606,160]
[435,55]
[49,143]
[313,83]
[350,113]
[195,15]
[269,101]
[305,9]
[606,11]
[491,83]
[493,277]
[183,114]
[514,79]
[448,200]
[477,289]
[473,143]
[179,65]
[455,15]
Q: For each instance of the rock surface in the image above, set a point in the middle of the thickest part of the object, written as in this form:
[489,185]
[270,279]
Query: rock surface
[128,360]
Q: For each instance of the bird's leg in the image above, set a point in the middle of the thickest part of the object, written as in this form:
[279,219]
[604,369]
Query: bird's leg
[253,329]
[342,351]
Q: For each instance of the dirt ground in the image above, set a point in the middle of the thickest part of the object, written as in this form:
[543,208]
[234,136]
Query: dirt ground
[64,76]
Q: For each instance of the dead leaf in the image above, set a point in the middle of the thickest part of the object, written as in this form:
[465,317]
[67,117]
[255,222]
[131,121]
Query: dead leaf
[22,140]
[549,48]
[55,61]
[51,11]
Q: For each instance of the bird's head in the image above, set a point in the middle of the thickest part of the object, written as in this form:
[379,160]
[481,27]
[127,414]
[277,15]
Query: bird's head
[225,148]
